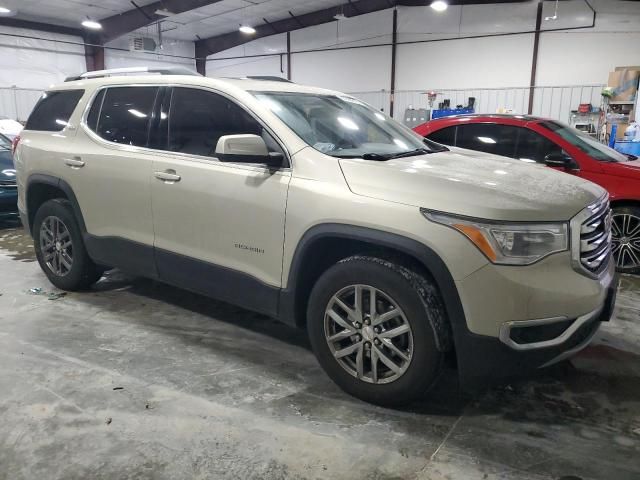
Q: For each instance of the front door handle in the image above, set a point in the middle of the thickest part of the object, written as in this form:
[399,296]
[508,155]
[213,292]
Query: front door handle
[168,176]
[74,163]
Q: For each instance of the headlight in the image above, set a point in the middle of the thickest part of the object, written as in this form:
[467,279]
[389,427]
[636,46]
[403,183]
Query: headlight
[508,243]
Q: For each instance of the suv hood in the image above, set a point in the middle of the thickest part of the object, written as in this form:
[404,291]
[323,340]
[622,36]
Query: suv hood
[474,184]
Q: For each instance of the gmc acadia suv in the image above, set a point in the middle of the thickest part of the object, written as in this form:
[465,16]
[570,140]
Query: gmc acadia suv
[310,206]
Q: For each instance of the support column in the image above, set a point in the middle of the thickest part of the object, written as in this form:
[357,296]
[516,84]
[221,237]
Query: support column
[288,55]
[534,61]
[93,53]
[394,45]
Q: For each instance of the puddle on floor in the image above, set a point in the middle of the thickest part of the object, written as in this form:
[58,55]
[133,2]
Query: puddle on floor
[16,243]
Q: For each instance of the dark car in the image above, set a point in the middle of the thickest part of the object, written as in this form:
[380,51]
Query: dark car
[535,139]
[8,190]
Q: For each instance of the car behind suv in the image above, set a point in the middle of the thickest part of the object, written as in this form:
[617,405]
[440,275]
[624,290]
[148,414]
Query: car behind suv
[549,142]
[310,206]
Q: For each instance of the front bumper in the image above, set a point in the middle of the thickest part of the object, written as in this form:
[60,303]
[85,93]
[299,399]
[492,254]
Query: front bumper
[485,359]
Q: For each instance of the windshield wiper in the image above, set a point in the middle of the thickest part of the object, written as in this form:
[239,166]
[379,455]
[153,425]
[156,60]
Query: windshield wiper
[365,156]
[411,153]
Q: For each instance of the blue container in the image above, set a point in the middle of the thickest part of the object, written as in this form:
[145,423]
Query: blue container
[628,147]
[450,112]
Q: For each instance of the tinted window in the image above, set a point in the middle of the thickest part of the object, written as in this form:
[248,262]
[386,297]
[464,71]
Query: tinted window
[488,137]
[125,115]
[533,146]
[197,120]
[53,110]
[4,142]
[92,118]
[584,142]
[446,136]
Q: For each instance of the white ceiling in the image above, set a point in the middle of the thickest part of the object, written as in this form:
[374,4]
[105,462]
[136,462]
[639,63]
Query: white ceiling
[225,16]
[215,19]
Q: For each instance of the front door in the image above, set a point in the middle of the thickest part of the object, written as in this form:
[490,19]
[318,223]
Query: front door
[219,227]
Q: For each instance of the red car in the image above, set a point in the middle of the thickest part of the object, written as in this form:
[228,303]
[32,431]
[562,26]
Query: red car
[534,139]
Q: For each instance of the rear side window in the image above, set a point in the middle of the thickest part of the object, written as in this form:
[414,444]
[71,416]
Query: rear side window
[124,115]
[446,136]
[53,110]
[488,137]
[94,113]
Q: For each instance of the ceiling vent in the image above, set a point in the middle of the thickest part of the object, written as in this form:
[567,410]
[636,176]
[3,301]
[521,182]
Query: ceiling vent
[142,44]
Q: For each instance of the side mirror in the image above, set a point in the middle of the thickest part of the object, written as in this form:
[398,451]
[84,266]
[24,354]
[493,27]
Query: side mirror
[247,149]
[558,159]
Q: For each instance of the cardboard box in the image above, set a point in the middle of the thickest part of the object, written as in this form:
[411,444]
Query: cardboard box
[625,85]
[620,132]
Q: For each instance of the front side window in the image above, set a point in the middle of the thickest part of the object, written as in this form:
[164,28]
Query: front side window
[488,137]
[585,143]
[342,126]
[124,114]
[198,118]
[534,147]
[53,110]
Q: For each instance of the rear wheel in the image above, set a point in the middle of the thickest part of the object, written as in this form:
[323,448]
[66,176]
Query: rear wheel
[370,325]
[59,247]
[625,226]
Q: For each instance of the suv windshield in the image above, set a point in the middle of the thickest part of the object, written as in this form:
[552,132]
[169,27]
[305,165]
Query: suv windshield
[584,142]
[344,127]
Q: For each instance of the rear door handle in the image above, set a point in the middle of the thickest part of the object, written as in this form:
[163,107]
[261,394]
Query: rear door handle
[74,163]
[168,176]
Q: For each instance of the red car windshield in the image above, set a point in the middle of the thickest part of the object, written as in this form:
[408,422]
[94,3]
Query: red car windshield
[584,142]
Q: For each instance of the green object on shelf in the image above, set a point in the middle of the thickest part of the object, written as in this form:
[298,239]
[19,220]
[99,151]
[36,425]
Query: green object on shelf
[608,92]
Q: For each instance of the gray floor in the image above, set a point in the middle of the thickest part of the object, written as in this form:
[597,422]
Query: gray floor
[140,380]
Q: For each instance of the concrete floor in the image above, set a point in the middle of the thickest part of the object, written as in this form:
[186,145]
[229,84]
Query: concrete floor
[140,380]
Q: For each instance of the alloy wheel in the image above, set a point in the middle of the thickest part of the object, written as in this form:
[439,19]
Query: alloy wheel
[368,334]
[626,240]
[56,246]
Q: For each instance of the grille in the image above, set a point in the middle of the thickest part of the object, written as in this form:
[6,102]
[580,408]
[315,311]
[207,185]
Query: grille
[595,238]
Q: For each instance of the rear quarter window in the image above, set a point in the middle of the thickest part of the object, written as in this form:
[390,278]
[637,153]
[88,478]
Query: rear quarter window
[53,110]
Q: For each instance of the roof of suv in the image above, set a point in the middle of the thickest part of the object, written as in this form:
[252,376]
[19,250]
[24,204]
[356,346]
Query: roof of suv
[246,84]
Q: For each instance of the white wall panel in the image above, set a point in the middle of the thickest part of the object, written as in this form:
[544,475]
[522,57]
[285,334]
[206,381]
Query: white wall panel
[32,63]
[218,66]
[465,63]
[363,69]
[174,53]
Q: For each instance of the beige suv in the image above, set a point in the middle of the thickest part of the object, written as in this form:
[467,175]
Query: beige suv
[309,206]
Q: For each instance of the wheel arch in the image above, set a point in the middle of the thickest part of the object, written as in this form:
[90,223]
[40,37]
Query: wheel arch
[351,239]
[41,188]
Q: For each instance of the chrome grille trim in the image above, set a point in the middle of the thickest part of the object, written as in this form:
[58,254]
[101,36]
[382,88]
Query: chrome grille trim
[591,238]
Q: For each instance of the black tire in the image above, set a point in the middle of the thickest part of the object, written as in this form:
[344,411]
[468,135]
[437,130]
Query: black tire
[423,310]
[83,272]
[630,263]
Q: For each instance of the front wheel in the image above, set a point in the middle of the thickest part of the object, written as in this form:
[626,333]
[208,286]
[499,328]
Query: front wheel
[371,325]
[625,226]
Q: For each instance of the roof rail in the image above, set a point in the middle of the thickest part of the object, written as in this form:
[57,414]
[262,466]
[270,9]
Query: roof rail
[123,71]
[269,78]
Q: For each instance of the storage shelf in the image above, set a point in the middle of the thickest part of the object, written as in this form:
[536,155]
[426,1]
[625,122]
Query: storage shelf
[622,102]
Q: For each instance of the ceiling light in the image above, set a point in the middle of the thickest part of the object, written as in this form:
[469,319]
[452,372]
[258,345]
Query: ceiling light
[247,29]
[91,24]
[439,6]
[4,10]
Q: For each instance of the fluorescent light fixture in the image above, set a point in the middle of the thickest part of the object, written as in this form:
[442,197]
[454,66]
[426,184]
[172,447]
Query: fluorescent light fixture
[348,123]
[91,24]
[486,140]
[247,29]
[163,12]
[439,6]
[136,113]
[4,10]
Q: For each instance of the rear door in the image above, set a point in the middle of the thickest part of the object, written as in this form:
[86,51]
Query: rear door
[109,172]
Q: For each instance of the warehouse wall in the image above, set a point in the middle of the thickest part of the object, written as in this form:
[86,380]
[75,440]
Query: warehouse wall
[31,63]
[571,57]
[174,53]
